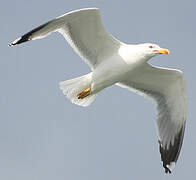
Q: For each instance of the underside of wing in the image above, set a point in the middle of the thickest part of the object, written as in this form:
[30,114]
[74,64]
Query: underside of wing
[83,30]
[167,88]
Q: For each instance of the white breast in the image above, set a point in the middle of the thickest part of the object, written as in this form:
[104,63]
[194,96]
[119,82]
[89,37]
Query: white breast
[131,55]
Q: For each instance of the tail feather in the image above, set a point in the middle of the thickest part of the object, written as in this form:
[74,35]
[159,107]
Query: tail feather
[71,88]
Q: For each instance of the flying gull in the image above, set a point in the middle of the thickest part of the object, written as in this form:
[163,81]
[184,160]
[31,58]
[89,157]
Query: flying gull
[126,65]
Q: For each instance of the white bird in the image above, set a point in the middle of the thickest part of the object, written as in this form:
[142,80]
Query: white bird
[114,62]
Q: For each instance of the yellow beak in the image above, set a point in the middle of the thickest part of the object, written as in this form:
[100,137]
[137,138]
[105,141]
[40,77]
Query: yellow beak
[163,51]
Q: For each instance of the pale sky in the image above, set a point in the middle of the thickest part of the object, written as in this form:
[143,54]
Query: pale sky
[44,136]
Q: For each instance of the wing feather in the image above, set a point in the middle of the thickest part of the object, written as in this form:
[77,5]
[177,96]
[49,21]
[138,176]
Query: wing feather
[83,30]
[167,88]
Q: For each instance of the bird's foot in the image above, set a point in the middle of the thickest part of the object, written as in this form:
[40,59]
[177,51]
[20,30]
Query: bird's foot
[84,93]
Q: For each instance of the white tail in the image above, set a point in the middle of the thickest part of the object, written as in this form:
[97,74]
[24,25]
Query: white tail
[71,88]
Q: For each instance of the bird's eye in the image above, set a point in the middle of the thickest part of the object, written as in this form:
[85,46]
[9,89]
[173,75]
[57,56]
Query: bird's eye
[150,46]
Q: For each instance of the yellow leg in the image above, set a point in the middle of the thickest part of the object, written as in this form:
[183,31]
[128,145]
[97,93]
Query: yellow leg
[84,93]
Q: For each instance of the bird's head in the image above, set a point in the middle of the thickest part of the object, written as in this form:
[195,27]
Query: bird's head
[150,50]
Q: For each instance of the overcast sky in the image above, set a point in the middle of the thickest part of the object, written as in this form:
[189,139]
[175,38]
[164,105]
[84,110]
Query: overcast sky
[44,136]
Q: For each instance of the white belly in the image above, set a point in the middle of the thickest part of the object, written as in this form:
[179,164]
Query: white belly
[110,72]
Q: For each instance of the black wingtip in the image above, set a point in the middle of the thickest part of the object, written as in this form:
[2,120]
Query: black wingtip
[170,155]
[28,36]
[20,40]
[15,42]
[167,170]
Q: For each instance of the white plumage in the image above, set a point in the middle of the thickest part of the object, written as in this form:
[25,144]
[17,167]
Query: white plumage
[114,62]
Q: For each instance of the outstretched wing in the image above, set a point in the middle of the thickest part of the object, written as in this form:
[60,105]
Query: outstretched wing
[167,87]
[83,30]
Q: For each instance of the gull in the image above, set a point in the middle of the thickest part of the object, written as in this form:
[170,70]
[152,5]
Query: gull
[126,65]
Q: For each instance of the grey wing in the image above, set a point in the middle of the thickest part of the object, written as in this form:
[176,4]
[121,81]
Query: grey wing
[83,30]
[167,88]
